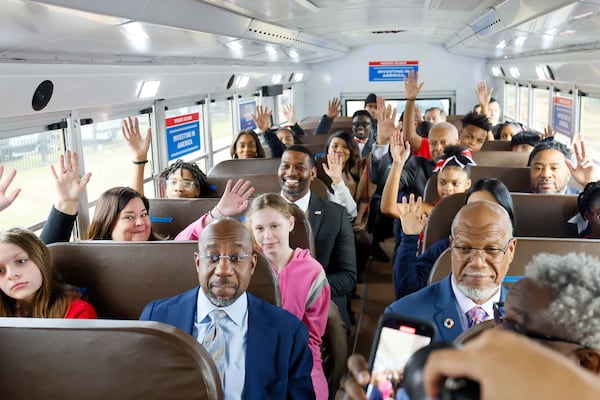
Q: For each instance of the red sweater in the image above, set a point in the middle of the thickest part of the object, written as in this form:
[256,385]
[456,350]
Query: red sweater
[81,309]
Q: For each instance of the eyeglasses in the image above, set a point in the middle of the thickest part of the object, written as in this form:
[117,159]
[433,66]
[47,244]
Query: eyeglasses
[489,253]
[521,329]
[215,258]
[184,183]
[366,123]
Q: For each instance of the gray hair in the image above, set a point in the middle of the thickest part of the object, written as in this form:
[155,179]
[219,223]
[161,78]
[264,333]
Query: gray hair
[575,281]
[448,126]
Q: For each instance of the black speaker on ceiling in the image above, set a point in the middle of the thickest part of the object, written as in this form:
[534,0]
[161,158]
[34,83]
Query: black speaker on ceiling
[42,95]
[272,90]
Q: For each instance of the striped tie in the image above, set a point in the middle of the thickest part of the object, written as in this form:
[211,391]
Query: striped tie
[476,315]
[214,340]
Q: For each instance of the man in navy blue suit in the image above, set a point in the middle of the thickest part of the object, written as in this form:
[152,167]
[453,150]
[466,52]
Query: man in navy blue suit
[266,354]
[482,249]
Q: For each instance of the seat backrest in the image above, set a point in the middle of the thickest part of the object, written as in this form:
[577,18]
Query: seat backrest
[120,278]
[302,236]
[516,179]
[267,183]
[536,215]
[100,359]
[496,145]
[309,124]
[334,349]
[313,139]
[527,247]
[171,216]
[455,119]
[251,166]
[500,158]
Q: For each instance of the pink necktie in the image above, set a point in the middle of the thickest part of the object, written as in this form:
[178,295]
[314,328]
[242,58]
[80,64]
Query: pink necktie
[476,315]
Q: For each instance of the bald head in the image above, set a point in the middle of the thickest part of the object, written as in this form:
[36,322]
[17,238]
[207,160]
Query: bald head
[441,135]
[481,214]
[225,228]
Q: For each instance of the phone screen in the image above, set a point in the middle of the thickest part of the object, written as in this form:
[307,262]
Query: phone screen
[397,340]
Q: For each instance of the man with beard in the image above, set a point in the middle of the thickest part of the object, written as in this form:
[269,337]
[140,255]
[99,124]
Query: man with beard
[260,351]
[330,223]
[550,168]
[482,249]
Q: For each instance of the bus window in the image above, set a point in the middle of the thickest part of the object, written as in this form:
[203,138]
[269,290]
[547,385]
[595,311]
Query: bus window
[590,125]
[107,156]
[283,99]
[524,105]
[540,109]
[221,123]
[510,108]
[31,155]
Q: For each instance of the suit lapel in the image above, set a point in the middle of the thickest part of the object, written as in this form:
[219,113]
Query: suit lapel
[447,320]
[184,311]
[315,214]
[260,351]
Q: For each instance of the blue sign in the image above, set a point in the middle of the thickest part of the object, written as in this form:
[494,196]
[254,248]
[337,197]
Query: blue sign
[246,111]
[562,111]
[183,135]
[386,71]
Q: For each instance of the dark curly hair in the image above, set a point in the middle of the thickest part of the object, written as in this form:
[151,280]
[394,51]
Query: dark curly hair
[200,178]
[478,120]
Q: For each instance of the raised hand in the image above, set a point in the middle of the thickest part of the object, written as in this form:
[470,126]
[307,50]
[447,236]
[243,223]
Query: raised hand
[333,108]
[483,94]
[412,87]
[585,171]
[69,185]
[386,115]
[399,148]
[548,132]
[137,144]
[412,216]
[7,200]
[262,118]
[235,198]
[334,167]
[289,113]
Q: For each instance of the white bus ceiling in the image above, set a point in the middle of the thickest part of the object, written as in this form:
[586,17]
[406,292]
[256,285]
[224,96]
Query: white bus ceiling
[97,52]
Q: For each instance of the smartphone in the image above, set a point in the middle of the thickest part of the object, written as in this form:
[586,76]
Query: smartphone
[396,340]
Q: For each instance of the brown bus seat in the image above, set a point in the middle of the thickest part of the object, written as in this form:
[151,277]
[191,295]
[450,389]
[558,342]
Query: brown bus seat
[496,145]
[500,158]
[120,278]
[339,124]
[171,216]
[455,119]
[264,183]
[101,359]
[253,166]
[313,139]
[527,247]
[536,215]
[516,179]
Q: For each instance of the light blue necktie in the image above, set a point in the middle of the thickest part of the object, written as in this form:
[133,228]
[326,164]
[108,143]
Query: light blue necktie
[214,340]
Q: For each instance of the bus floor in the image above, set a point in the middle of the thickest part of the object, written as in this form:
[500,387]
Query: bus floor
[376,292]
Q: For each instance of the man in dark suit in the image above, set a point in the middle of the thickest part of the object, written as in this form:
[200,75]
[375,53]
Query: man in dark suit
[482,249]
[330,223]
[264,349]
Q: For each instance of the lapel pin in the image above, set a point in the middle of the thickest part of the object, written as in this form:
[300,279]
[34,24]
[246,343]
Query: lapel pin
[449,323]
[318,212]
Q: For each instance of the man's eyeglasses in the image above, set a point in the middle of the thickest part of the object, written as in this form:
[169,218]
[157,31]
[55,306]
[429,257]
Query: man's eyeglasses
[215,258]
[521,329]
[184,184]
[489,253]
